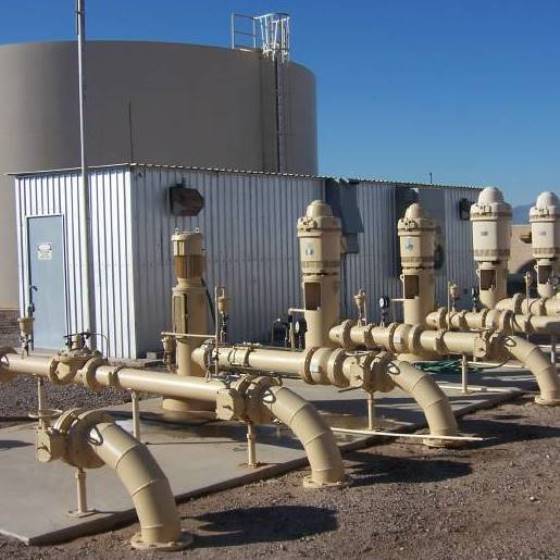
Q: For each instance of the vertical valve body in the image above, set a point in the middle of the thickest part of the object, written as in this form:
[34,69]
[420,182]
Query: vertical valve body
[319,234]
[417,247]
[491,226]
[545,234]
[189,310]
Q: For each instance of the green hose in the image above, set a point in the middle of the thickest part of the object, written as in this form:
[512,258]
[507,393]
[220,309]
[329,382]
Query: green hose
[444,366]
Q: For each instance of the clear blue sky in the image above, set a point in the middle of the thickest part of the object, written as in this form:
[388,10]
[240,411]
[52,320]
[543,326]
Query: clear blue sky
[466,89]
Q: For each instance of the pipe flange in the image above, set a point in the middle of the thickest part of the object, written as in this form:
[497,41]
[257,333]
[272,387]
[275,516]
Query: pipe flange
[439,344]
[440,318]
[414,335]
[184,540]
[86,375]
[369,341]
[6,375]
[381,380]
[505,322]
[345,334]
[305,372]
[390,337]
[483,315]
[75,425]
[463,324]
[257,392]
[335,372]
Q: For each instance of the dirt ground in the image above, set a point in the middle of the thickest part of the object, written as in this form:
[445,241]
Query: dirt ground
[493,500]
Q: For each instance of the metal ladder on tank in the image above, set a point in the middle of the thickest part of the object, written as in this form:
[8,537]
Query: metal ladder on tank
[269,34]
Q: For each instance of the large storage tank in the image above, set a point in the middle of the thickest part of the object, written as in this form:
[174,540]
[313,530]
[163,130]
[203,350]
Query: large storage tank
[150,102]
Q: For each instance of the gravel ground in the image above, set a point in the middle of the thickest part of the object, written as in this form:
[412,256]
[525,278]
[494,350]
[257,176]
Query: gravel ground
[497,499]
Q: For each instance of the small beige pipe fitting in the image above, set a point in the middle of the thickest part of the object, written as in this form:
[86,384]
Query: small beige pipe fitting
[429,397]
[315,435]
[146,484]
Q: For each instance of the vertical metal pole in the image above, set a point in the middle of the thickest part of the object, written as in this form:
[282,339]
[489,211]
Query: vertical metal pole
[553,350]
[371,412]
[251,446]
[85,224]
[135,415]
[81,491]
[464,374]
[41,401]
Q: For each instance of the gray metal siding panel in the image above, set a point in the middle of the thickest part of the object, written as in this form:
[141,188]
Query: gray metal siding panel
[460,261]
[249,227]
[60,194]
[369,268]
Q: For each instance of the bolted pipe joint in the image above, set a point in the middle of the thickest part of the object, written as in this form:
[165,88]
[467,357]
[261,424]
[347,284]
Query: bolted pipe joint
[261,399]
[89,440]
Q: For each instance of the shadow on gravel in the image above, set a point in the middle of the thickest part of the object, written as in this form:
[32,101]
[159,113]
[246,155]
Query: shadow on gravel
[376,469]
[505,432]
[263,524]
[12,444]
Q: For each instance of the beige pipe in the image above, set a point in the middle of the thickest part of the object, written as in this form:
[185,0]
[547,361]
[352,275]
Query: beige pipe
[330,369]
[535,360]
[429,397]
[144,481]
[313,432]
[400,338]
[495,320]
[190,387]
[538,306]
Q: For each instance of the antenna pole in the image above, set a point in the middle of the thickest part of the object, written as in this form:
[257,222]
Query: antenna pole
[85,223]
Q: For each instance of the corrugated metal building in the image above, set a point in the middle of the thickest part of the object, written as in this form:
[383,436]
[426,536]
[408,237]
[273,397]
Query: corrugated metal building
[249,223]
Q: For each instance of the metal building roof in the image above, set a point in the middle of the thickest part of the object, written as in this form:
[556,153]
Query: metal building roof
[242,172]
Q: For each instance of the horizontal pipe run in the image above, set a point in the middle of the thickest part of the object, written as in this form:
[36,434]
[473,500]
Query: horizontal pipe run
[299,415]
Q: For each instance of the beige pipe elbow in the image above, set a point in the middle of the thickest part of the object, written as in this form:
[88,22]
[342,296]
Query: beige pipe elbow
[146,484]
[315,435]
[429,397]
[532,357]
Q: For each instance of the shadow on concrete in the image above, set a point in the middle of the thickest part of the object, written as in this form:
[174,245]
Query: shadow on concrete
[236,527]
[13,443]
[376,469]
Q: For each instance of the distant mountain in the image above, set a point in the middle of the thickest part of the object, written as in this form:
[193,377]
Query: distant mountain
[521,214]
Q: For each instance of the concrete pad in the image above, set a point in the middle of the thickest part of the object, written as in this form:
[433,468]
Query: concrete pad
[198,459]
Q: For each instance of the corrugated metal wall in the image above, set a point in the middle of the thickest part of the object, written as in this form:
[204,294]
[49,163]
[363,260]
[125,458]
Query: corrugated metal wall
[377,249]
[378,244]
[249,227]
[460,261]
[59,193]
